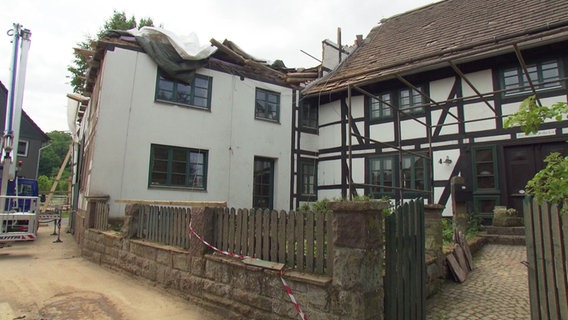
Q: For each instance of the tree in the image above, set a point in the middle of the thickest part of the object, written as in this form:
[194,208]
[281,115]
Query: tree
[53,155]
[118,21]
[551,183]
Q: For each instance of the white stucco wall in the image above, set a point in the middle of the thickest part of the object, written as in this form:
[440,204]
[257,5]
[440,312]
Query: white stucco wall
[130,121]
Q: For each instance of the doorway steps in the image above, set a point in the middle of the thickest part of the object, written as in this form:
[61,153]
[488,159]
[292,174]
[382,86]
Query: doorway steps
[505,235]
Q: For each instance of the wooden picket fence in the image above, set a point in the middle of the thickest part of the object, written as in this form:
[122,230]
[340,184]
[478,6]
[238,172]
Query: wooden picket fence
[98,209]
[405,293]
[546,231]
[164,224]
[297,239]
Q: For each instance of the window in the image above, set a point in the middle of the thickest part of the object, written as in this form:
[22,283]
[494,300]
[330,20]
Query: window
[381,173]
[485,168]
[197,94]
[408,99]
[405,99]
[263,183]
[542,75]
[380,109]
[178,167]
[309,116]
[385,174]
[414,173]
[267,105]
[308,179]
[23,148]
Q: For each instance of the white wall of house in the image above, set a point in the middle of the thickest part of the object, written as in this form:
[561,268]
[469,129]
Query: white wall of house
[131,121]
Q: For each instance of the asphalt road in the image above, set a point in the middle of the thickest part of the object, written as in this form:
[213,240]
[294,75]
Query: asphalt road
[48,281]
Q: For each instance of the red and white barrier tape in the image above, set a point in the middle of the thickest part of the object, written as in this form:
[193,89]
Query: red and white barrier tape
[289,292]
[234,255]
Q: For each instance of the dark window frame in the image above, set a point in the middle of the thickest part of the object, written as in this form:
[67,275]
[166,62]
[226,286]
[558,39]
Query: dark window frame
[309,117]
[379,110]
[26,147]
[176,88]
[306,196]
[536,69]
[261,109]
[481,165]
[160,176]
[395,176]
[266,187]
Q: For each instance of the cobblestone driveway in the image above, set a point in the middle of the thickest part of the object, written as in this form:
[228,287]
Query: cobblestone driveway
[496,289]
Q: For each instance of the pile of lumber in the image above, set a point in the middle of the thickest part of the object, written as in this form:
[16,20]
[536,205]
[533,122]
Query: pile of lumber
[460,261]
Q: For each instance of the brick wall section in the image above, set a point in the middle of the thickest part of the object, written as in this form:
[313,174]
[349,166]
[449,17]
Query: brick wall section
[236,290]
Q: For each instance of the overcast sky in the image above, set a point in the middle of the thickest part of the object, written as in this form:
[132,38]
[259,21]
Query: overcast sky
[265,29]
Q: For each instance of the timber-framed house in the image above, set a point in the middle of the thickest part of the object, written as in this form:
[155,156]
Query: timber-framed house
[424,99]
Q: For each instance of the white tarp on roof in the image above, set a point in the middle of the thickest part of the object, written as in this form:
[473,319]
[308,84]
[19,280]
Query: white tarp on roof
[186,46]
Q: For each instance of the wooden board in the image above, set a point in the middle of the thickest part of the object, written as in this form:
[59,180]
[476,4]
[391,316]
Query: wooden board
[466,250]
[264,264]
[460,257]
[457,271]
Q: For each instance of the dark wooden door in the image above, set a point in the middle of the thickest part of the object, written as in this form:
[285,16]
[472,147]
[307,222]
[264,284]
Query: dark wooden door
[521,164]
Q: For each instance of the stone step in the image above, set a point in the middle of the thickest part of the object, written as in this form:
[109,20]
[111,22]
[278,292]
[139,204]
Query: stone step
[520,231]
[518,240]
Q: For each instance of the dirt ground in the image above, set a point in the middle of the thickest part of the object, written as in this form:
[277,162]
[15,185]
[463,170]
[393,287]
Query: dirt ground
[47,280]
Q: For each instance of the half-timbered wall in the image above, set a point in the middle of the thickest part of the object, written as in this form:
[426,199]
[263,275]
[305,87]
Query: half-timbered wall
[464,115]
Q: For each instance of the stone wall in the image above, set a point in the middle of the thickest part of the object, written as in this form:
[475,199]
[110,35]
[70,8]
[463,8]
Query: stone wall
[435,258]
[236,290]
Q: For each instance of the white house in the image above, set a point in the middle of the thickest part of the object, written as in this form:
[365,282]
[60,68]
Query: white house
[424,99]
[145,135]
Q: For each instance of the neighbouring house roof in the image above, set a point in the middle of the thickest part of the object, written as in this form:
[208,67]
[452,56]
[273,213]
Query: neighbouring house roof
[28,128]
[445,31]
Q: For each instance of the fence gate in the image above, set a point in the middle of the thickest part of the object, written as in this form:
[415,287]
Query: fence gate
[546,229]
[405,263]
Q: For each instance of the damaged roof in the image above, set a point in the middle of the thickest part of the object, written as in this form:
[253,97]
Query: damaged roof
[229,58]
[443,31]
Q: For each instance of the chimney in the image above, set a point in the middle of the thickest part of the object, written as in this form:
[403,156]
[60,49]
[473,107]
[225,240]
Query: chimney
[359,40]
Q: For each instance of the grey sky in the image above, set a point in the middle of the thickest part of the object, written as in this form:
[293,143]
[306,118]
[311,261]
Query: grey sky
[265,29]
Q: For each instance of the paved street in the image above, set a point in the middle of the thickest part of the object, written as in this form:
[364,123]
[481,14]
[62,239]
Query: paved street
[42,280]
[496,289]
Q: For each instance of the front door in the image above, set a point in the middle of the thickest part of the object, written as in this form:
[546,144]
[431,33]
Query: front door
[522,163]
[263,183]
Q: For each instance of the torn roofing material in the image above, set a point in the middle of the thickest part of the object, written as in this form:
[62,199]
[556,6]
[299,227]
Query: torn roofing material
[180,58]
[443,31]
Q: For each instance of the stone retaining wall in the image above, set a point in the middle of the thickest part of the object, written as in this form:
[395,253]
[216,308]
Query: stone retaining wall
[237,290]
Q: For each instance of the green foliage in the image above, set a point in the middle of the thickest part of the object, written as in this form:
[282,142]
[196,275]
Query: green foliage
[316,206]
[447,230]
[44,184]
[551,183]
[118,21]
[530,116]
[53,155]
[474,227]
[50,161]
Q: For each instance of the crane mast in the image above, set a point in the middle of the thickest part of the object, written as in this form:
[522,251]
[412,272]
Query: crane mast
[11,135]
